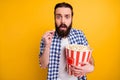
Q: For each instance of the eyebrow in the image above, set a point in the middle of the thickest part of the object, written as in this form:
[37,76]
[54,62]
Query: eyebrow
[60,14]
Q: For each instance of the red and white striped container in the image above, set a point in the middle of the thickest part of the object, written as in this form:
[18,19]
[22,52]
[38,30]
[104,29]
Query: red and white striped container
[77,55]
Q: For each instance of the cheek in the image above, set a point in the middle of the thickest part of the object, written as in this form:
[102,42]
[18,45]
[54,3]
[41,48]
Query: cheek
[68,22]
[57,22]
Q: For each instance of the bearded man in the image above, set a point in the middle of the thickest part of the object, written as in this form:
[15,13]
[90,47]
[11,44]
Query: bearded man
[52,46]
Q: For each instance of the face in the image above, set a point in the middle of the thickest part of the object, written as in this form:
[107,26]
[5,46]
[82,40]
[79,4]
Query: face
[63,21]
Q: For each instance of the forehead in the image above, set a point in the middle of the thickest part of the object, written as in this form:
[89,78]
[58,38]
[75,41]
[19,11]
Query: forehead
[63,10]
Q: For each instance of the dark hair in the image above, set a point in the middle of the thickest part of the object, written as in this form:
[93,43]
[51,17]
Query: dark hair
[63,4]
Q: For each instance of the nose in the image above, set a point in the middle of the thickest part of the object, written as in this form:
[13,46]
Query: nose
[63,20]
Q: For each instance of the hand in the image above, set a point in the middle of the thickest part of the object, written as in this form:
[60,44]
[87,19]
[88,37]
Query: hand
[47,37]
[79,71]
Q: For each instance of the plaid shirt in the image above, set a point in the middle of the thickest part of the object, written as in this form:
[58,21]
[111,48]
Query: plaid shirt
[75,37]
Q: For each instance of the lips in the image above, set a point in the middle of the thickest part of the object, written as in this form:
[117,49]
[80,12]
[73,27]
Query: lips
[63,27]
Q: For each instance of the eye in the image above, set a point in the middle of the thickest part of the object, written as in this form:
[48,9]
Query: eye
[58,16]
[67,16]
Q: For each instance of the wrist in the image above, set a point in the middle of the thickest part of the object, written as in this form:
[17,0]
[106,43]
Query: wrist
[47,46]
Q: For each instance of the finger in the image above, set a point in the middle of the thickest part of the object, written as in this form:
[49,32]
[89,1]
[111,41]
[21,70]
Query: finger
[80,73]
[47,36]
[51,32]
[76,67]
[76,75]
[85,63]
[77,71]
[83,74]
[48,33]
[72,72]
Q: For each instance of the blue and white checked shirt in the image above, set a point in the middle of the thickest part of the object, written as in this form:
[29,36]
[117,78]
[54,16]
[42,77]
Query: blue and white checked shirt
[75,37]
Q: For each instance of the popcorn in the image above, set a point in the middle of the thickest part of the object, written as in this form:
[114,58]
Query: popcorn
[77,55]
[76,47]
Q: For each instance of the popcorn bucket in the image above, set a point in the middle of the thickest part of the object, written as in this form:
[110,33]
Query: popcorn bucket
[77,55]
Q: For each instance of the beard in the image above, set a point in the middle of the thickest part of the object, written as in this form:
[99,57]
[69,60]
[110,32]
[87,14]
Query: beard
[63,33]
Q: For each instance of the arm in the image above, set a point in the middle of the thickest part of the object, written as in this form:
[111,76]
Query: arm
[82,70]
[44,58]
[88,67]
[92,61]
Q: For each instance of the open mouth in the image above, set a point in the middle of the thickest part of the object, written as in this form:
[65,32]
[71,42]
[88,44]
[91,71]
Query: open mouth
[63,28]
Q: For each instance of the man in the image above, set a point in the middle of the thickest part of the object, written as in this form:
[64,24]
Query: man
[53,43]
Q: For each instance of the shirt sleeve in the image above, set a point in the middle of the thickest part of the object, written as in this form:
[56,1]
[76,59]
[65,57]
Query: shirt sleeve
[41,47]
[83,39]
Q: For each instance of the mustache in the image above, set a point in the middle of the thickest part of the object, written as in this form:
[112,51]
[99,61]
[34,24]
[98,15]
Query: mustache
[63,26]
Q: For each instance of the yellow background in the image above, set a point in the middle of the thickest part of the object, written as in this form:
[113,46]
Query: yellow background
[23,22]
